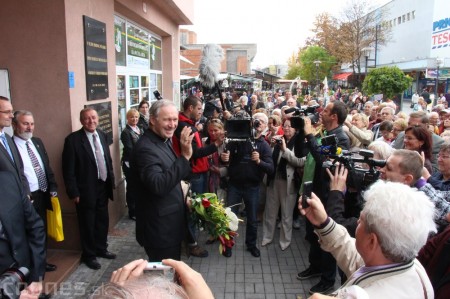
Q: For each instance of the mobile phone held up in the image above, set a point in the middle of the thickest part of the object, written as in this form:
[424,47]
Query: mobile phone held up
[158,268]
[307,190]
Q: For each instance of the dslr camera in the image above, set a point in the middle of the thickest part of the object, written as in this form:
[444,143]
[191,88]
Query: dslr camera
[297,120]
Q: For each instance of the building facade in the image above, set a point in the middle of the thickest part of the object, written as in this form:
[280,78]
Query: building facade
[60,56]
[419,43]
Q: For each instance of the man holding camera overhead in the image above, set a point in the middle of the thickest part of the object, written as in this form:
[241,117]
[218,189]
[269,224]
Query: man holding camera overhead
[248,161]
[322,263]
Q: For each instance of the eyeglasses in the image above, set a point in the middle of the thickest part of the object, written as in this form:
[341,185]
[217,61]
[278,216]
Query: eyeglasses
[7,112]
[443,156]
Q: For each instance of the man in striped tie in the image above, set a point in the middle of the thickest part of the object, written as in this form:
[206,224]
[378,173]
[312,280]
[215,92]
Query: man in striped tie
[40,177]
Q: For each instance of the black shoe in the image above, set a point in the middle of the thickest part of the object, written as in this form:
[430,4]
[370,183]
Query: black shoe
[44,296]
[132,217]
[254,251]
[50,267]
[308,273]
[322,287]
[107,255]
[93,264]
[227,252]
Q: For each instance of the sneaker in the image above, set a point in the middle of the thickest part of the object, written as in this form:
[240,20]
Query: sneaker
[322,287]
[308,273]
[198,251]
[296,224]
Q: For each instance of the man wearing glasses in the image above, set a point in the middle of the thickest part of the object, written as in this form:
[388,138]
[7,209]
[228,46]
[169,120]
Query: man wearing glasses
[440,180]
[9,157]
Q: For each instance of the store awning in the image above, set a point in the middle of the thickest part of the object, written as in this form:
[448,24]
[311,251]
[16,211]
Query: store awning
[182,58]
[341,76]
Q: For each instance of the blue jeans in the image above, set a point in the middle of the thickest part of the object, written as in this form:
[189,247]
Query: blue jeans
[250,195]
[199,184]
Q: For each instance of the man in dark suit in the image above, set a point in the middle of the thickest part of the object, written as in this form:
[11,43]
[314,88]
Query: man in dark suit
[157,172]
[9,156]
[22,235]
[36,165]
[89,179]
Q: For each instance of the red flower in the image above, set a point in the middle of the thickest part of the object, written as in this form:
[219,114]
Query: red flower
[205,203]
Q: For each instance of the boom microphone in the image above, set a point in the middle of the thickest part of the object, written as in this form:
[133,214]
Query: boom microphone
[209,68]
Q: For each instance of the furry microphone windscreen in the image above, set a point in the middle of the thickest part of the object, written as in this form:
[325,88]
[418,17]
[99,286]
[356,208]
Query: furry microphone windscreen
[210,64]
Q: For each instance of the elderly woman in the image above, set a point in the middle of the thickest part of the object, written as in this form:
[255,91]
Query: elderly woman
[129,137]
[400,125]
[381,150]
[283,191]
[359,135]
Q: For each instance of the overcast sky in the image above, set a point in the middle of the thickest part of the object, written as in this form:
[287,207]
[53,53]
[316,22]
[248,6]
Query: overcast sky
[278,27]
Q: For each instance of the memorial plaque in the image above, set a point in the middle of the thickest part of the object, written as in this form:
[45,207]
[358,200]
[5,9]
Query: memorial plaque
[95,59]
[104,118]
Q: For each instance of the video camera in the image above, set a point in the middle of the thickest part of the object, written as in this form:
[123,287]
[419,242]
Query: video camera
[12,282]
[297,121]
[358,178]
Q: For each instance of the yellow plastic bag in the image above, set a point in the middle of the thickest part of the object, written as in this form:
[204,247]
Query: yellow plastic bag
[54,221]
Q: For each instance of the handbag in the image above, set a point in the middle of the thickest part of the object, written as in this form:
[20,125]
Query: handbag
[54,221]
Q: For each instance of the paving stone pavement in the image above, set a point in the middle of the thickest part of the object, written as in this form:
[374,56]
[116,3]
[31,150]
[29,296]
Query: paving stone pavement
[273,275]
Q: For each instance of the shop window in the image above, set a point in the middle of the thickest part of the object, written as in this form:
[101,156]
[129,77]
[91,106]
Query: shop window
[413,14]
[399,20]
[408,16]
[403,19]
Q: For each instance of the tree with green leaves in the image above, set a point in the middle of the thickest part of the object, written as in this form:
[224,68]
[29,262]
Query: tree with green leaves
[389,81]
[308,69]
[359,26]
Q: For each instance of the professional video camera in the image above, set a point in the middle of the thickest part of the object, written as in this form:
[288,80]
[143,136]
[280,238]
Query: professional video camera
[297,121]
[358,178]
[12,281]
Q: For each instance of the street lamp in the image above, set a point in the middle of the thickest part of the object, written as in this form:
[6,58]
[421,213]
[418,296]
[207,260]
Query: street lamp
[366,52]
[439,62]
[317,63]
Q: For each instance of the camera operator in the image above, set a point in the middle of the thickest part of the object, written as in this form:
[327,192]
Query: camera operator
[22,235]
[248,161]
[322,263]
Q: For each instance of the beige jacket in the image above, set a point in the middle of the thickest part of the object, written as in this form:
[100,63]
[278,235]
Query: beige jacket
[406,280]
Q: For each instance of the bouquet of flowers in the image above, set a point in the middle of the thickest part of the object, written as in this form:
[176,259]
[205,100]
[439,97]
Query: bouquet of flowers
[210,215]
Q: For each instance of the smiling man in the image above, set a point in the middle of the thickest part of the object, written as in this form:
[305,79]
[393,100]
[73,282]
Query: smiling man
[89,179]
[157,172]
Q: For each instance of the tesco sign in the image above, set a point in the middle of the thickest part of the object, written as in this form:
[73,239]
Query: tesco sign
[440,35]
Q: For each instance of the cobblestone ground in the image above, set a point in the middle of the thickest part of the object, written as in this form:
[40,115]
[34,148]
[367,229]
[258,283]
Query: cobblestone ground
[273,275]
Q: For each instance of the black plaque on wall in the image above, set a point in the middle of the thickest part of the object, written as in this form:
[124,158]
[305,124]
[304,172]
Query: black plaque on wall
[104,118]
[95,59]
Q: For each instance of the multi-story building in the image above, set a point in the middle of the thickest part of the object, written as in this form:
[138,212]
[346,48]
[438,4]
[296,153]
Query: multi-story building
[419,43]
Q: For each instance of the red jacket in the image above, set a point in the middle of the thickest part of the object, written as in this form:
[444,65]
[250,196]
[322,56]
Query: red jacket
[199,159]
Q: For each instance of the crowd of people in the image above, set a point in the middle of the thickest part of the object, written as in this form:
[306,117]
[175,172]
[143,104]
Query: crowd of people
[378,233]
